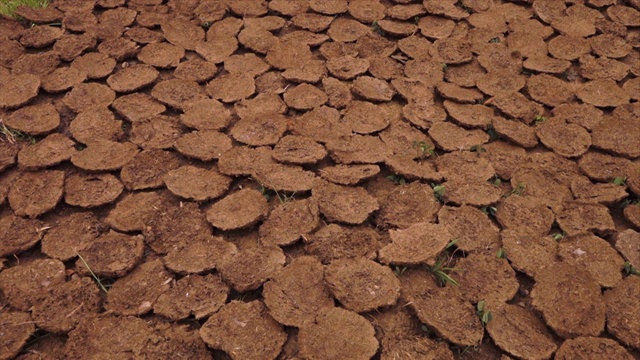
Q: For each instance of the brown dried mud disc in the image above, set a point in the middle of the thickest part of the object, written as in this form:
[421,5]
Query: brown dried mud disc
[288,54]
[372,89]
[545,64]
[50,151]
[407,205]
[568,47]
[459,94]
[238,210]
[436,27]
[445,8]
[18,234]
[104,155]
[288,222]
[207,114]
[11,51]
[332,49]
[595,255]
[217,49]
[602,68]
[298,150]
[632,86]
[143,35]
[403,140]
[137,107]
[38,64]
[515,131]
[517,106]
[137,209]
[289,7]
[91,190]
[244,160]
[203,145]
[423,113]
[464,75]
[585,115]
[133,78]
[67,305]
[577,218]
[469,115]
[333,242]
[619,135]
[329,7]
[192,183]
[494,84]
[42,15]
[506,330]
[18,90]
[622,311]
[486,277]
[87,95]
[397,28]
[229,26]
[27,284]
[70,47]
[385,68]
[473,229]
[364,149]
[69,234]
[339,93]
[603,93]
[96,123]
[610,45]
[305,97]
[174,227]
[119,48]
[625,15]
[177,93]
[248,64]
[227,330]
[158,132]
[161,55]
[470,191]
[95,65]
[563,293]
[183,33]
[35,193]
[568,140]
[589,347]
[35,119]
[262,104]
[241,272]
[351,281]
[324,338]
[200,254]
[347,30]
[364,117]
[8,154]
[539,184]
[19,328]
[135,293]
[265,129]
[311,71]
[410,169]
[549,90]
[529,253]
[606,194]
[548,10]
[441,308]
[323,124]
[351,205]
[63,79]
[426,70]
[198,295]
[347,67]
[298,292]
[632,214]
[111,255]
[280,177]
[231,87]
[195,70]
[256,39]
[312,22]
[349,174]
[451,137]
[524,212]
[417,244]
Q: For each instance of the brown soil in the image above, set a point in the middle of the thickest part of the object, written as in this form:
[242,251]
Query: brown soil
[249,176]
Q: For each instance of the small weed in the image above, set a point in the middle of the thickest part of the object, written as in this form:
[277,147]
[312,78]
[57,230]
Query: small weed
[495,40]
[79,146]
[451,243]
[95,277]
[376,28]
[493,135]
[282,197]
[397,179]
[630,269]
[478,149]
[485,316]
[539,118]
[444,67]
[501,253]
[559,236]
[8,7]
[12,135]
[467,349]
[416,19]
[441,273]
[518,190]
[496,181]
[206,25]
[621,180]
[399,270]
[489,210]
[423,149]
[438,192]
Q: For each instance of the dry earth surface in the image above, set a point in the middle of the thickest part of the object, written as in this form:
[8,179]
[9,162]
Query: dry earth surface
[293,179]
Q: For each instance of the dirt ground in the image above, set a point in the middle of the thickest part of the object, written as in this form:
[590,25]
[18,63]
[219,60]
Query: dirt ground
[320,179]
